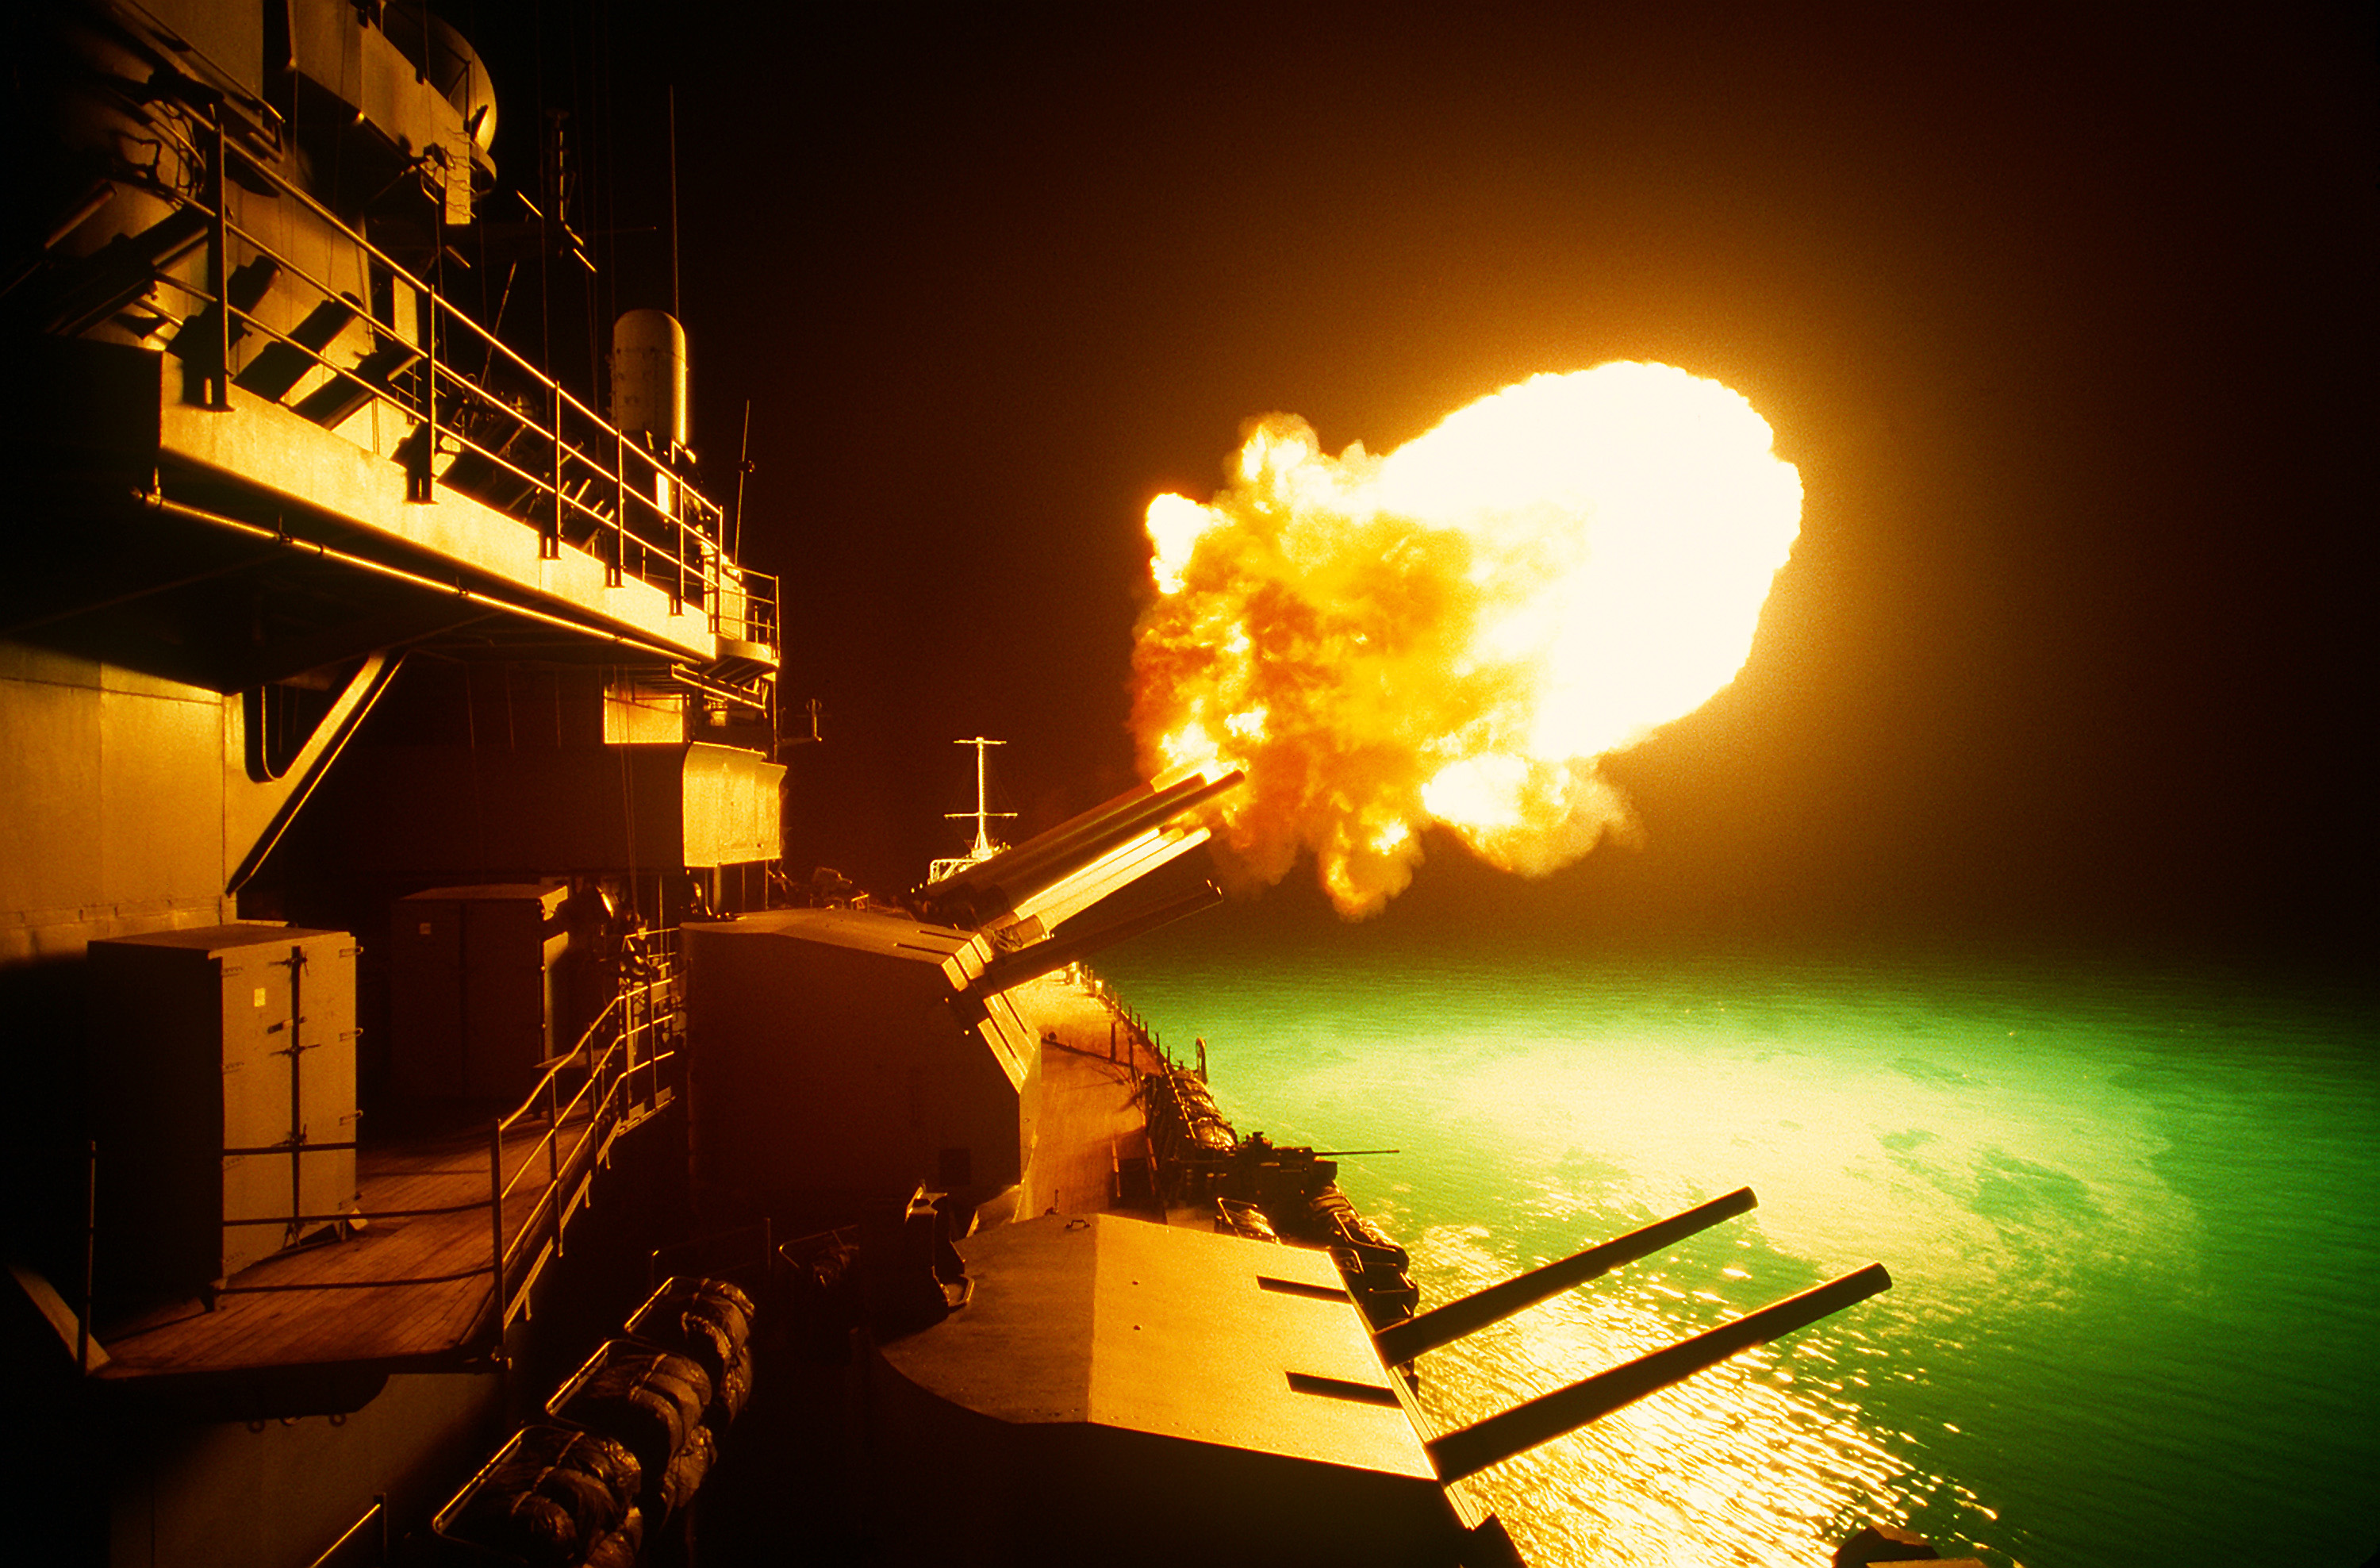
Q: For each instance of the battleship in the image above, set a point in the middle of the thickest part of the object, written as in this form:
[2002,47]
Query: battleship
[451,1133]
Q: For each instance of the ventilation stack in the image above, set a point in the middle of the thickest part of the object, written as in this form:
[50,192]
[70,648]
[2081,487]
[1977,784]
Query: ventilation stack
[649,399]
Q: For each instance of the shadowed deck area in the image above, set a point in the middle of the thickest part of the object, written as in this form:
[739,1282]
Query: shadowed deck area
[347,1300]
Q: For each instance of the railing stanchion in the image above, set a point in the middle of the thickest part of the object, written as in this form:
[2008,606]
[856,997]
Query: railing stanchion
[496,1221]
[668,487]
[554,1152]
[89,1248]
[376,1515]
[422,483]
[618,564]
[690,531]
[550,547]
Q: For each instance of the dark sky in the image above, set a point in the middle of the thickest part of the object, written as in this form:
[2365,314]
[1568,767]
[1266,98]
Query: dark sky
[2068,323]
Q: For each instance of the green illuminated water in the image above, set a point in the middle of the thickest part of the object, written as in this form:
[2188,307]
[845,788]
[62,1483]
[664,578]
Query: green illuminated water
[2131,1223]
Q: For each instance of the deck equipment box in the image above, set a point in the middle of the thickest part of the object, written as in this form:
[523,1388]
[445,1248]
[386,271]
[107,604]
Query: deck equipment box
[223,1097]
[474,973]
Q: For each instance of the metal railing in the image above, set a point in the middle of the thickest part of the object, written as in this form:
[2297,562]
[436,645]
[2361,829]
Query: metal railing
[1126,1026]
[508,434]
[369,1530]
[621,1056]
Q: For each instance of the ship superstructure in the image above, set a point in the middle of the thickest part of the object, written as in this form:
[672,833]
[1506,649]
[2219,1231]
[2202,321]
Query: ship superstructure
[375,704]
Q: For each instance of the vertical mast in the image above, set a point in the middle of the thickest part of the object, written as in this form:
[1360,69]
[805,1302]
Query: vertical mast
[674,308]
[983,813]
[985,847]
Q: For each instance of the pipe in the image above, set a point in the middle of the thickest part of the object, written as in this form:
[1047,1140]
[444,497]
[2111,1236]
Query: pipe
[156,503]
[1399,1342]
[1498,1438]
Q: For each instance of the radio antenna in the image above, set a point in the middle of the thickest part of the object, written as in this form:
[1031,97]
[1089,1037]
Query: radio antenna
[743,467]
[672,158]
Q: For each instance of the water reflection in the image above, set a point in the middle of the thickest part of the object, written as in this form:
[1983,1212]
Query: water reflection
[2129,1220]
[1762,1460]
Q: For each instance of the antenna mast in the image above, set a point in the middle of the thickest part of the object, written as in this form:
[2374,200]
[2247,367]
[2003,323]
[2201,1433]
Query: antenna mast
[983,849]
[675,308]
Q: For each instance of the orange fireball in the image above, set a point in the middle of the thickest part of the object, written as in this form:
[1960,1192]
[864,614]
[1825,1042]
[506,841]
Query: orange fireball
[1455,632]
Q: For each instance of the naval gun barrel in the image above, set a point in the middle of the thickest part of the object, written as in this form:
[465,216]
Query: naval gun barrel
[1029,962]
[1498,1438]
[1399,1342]
[983,893]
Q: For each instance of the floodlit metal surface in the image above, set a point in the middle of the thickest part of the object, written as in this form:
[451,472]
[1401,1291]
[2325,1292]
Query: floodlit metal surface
[363,69]
[300,464]
[960,957]
[1118,869]
[728,807]
[131,807]
[649,377]
[1158,1329]
[1218,1398]
[257,453]
[1068,945]
[1000,885]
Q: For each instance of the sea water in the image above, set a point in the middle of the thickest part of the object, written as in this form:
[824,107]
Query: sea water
[2132,1220]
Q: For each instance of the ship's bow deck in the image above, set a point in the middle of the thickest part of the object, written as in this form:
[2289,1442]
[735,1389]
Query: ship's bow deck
[1091,1134]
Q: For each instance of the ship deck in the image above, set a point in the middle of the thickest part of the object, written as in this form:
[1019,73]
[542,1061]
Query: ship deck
[414,1290]
[1092,1131]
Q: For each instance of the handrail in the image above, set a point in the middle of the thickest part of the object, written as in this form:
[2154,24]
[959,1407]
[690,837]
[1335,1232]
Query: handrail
[616,1069]
[376,1515]
[664,955]
[676,542]
[641,1006]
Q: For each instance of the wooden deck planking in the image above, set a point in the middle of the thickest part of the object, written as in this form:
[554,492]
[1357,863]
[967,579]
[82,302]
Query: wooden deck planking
[338,1314]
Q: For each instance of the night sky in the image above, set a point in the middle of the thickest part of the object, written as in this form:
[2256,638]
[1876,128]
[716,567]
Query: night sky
[2068,324]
